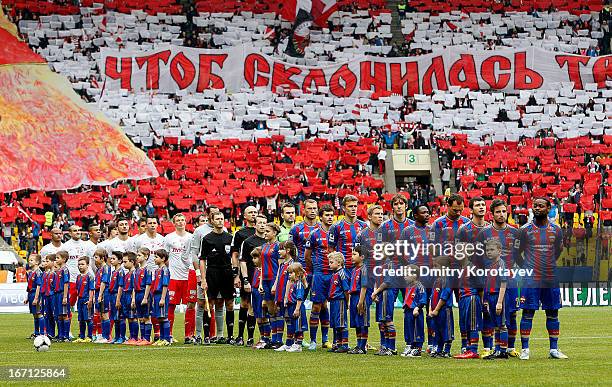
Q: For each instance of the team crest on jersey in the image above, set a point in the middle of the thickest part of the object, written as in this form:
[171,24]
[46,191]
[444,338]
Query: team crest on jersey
[431,235]
[378,237]
[331,237]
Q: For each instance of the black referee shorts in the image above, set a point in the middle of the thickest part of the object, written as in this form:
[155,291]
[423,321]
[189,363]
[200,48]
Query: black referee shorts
[220,283]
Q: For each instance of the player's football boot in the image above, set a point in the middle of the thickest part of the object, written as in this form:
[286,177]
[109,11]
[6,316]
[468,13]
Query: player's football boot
[239,342]
[173,340]
[524,354]
[327,345]
[370,348]
[79,340]
[467,355]
[206,341]
[260,345]
[220,340]
[444,355]
[429,349]
[485,352]
[163,343]
[492,356]
[312,346]
[197,341]
[87,340]
[356,351]
[333,349]
[282,348]
[295,348]
[131,342]
[556,354]
[393,351]
[102,341]
[416,352]
[305,343]
[512,352]
[230,341]
[406,352]
[213,340]
[381,352]
[250,342]
[501,355]
[342,349]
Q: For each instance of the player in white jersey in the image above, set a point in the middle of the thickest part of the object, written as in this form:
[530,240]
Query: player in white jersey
[151,240]
[121,241]
[76,248]
[95,234]
[55,245]
[176,244]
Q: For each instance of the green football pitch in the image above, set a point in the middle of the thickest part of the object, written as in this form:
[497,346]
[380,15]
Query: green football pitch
[586,338]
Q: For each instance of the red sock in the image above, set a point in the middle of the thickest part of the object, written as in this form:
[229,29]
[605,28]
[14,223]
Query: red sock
[171,317]
[189,322]
[213,324]
[155,323]
[97,325]
[111,330]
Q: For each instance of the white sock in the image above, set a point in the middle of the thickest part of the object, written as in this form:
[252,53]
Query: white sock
[219,321]
[199,318]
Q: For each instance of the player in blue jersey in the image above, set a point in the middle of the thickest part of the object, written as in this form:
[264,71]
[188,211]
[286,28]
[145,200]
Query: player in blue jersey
[538,247]
[85,287]
[47,294]
[128,299]
[270,261]
[506,234]
[287,252]
[342,234]
[115,315]
[62,296]
[300,234]
[161,298]
[359,313]
[295,311]
[338,302]
[142,291]
[494,299]
[259,310]
[415,299]
[421,236]
[470,310]
[465,243]
[317,263]
[441,312]
[102,297]
[35,297]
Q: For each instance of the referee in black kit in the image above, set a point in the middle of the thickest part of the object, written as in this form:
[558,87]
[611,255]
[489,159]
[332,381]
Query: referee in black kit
[219,274]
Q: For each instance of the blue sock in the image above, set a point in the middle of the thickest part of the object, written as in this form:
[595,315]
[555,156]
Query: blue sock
[511,325]
[148,328]
[117,329]
[280,328]
[41,325]
[358,335]
[82,326]
[447,346]
[105,329]
[324,324]
[66,328]
[89,329]
[50,325]
[165,327]
[344,337]
[122,328]
[526,322]
[142,330]
[391,333]
[364,337]
[133,330]
[383,336]
[313,325]
[473,341]
[36,327]
[552,326]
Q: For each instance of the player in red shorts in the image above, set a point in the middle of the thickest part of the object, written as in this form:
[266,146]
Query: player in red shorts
[176,244]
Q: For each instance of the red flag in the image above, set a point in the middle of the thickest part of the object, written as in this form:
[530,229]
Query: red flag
[450,25]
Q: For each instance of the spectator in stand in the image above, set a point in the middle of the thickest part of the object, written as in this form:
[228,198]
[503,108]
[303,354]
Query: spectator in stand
[446,176]
[579,234]
[382,157]
[7,233]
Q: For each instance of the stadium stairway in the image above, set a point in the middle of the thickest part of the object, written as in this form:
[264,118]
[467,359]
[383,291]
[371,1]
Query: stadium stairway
[396,25]
[435,171]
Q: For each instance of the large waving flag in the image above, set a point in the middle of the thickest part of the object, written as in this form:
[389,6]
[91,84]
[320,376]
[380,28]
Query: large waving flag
[49,138]
[320,10]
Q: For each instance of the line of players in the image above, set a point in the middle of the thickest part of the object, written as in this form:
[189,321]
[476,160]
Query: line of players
[320,259]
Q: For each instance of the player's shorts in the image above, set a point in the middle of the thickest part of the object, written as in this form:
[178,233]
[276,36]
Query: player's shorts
[386,305]
[38,308]
[179,291]
[220,282]
[73,293]
[308,284]
[104,306]
[114,312]
[491,318]
[243,293]
[320,287]
[48,305]
[83,312]
[358,320]
[337,313]
[444,326]
[299,324]
[256,304]
[470,314]
[414,327]
[548,298]
[142,311]
[158,311]
[126,306]
[512,302]
[60,308]
[267,287]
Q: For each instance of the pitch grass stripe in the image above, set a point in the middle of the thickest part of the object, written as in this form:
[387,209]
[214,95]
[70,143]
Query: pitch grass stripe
[175,347]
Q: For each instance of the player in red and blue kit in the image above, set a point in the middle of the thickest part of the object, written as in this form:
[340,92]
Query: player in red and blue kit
[300,235]
[494,299]
[128,299]
[102,279]
[467,235]
[257,303]
[415,299]
[317,263]
[538,247]
[85,288]
[470,312]
[142,288]
[287,252]
[62,296]
[441,312]
[343,234]
[47,293]
[506,235]
[445,227]
[35,297]
[114,287]
[295,311]
[359,306]
[161,297]
[338,296]
[270,261]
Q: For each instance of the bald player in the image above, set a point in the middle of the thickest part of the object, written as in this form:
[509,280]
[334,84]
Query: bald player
[239,237]
[55,245]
